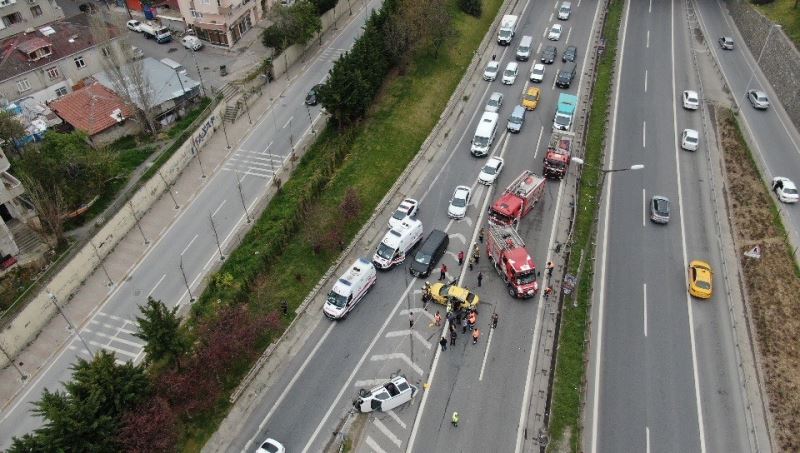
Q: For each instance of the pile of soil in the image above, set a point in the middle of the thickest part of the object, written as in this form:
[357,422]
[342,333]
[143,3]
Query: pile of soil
[772,282]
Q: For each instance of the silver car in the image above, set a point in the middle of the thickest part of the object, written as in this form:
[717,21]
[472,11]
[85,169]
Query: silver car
[758,99]
[659,209]
[495,102]
[516,120]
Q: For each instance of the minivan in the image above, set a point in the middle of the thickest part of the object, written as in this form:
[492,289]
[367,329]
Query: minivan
[396,243]
[566,74]
[349,289]
[524,49]
[429,254]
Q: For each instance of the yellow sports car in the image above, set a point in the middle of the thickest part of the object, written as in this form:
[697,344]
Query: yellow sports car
[531,98]
[700,279]
[442,294]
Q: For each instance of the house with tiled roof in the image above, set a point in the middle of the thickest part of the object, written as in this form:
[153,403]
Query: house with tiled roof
[47,62]
[98,112]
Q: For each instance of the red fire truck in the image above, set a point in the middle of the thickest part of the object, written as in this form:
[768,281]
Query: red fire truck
[557,157]
[517,200]
[511,260]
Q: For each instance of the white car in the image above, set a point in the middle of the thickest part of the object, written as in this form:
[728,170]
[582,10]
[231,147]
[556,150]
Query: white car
[510,74]
[555,32]
[495,102]
[758,99]
[490,73]
[490,171]
[459,202]
[192,42]
[690,140]
[537,73]
[407,208]
[691,101]
[785,189]
[134,25]
[271,446]
[386,397]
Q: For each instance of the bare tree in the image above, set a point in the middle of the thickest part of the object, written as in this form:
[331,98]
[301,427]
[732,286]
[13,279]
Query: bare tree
[48,201]
[123,68]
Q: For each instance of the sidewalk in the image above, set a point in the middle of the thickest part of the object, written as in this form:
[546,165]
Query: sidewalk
[136,243]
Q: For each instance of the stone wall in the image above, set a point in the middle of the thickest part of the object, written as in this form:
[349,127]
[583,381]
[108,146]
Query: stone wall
[780,61]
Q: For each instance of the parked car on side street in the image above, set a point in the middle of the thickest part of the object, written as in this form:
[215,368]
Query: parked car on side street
[134,25]
[192,42]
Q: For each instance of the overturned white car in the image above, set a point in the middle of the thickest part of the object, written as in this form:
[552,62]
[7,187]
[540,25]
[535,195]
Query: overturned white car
[386,397]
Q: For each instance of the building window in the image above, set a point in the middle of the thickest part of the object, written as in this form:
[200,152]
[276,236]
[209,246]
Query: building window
[105,51]
[12,19]
[204,2]
[23,85]
[61,91]
[36,11]
[79,63]
[212,36]
[196,14]
[53,73]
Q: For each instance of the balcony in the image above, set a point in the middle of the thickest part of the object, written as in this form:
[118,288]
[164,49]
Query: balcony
[11,188]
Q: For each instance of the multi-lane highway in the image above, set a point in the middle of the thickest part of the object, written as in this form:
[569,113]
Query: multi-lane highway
[663,374]
[190,239]
[486,383]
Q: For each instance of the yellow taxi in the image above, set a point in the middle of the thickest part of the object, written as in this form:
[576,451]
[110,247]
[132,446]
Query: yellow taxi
[700,279]
[458,296]
[531,98]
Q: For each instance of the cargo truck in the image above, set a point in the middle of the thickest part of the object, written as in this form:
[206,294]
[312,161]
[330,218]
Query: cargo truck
[506,251]
[565,113]
[156,31]
[517,200]
[508,26]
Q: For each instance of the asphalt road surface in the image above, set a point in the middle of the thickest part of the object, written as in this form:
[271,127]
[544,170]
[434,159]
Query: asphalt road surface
[190,240]
[777,142]
[485,383]
[663,375]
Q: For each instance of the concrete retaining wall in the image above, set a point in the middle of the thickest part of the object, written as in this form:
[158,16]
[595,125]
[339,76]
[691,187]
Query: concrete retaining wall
[780,62]
[28,323]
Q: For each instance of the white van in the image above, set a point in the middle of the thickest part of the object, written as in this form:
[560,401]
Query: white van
[397,242]
[484,134]
[524,48]
[350,289]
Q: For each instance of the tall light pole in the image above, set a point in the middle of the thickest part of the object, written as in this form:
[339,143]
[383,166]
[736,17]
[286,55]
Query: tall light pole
[758,60]
[605,171]
[53,299]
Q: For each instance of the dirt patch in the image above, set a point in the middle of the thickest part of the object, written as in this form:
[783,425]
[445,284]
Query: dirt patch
[773,288]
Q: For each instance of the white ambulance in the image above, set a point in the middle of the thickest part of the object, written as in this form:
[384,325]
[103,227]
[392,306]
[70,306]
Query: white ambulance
[397,242]
[350,289]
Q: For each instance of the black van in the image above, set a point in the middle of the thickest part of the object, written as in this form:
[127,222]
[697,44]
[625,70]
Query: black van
[566,74]
[429,254]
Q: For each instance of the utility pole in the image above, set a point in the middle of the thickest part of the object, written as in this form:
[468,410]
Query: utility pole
[216,236]
[130,204]
[169,189]
[102,265]
[22,375]
[196,152]
[186,280]
[241,195]
[199,73]
[53,299]
[225,131]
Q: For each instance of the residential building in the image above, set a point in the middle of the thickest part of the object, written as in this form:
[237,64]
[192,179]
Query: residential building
[47,62]
[35,116]
[16,213]
[16,16]
[98,112]
[169,89]
[221,22]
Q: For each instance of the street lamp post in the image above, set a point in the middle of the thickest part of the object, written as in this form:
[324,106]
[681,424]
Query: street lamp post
[758,60]
[53,299]
[580,161]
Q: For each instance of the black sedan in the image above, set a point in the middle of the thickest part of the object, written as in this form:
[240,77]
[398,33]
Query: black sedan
[548,55]
[570,54]
[312,98]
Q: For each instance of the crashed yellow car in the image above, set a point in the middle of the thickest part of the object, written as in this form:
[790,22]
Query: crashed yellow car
[459,297]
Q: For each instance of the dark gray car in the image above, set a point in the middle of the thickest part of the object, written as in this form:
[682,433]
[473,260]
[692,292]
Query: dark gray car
[548,55]
[516,119]
[570,54]
[659,209]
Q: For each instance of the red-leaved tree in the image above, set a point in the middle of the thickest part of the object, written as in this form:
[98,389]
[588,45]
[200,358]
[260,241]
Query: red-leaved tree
[151,426]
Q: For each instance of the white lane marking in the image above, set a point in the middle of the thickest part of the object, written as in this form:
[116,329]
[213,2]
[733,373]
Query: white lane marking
[700,423]
[387,432]
[219,207]
[486,353]
[644,134]
[288,388]
[356,368]
[397,356]
[189,244]
[396,418]
[538,142]
[647,435]
[645,80]
[551,18]
[288,122]
[650,8]
[113,349]
[115,318]
[644,297]
[601,294]
[374,445]
[416,311]
[569,32]
[156,285]
[407,332]
[644,207]
[648,39]
[135,344]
